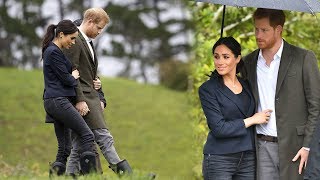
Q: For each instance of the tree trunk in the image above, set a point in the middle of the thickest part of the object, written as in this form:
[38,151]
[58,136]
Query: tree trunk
[143,71]
[126,72]
[61,9]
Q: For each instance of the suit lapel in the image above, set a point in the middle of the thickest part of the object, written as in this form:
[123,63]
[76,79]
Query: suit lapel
[285,62]
[94,61]
[252,74]
[84,42]
[232,97]
[252,104]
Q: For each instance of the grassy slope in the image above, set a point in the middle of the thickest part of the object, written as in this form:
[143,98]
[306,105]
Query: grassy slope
[151,125]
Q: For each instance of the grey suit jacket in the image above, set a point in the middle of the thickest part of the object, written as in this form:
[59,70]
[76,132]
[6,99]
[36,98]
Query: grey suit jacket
[81,58]
[297,102]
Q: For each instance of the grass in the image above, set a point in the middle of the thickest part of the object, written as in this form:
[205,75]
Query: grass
[151,126]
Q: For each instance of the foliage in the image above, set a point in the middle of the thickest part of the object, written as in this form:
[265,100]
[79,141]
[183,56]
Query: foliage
[301,29]
[20,172]
[174,74]
[150,124]
[18,32]
[145,35]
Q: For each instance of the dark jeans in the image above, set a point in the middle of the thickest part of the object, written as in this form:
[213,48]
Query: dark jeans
[63,135]
[66,117]
[236,166]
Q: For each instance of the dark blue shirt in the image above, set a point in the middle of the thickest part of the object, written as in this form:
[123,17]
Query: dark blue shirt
[57,69]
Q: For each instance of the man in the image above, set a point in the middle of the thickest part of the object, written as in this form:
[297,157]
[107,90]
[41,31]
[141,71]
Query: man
[90,98]
[286,79]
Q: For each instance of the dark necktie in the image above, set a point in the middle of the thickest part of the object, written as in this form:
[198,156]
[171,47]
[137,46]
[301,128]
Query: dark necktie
[91,45]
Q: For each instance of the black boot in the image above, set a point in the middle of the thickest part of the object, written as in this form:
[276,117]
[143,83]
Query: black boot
[121,168]
[88,162]
[57,168]
[98,164]
[151,176]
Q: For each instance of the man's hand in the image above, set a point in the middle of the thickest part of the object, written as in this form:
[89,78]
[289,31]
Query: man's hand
[97,84]
[303,154]
[102,105]
[82,108]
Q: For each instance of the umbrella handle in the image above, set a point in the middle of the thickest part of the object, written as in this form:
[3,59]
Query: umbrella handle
[222,23]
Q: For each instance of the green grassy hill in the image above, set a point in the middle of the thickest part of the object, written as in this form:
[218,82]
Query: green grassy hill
[150,124]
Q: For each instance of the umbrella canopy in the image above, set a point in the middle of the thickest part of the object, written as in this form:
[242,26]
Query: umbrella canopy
[309,6]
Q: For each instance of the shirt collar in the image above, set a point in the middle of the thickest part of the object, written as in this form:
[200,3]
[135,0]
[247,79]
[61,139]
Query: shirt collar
[278,53]
[85,36]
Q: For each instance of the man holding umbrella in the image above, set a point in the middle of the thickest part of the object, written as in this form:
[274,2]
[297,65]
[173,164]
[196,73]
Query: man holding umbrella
[286,79]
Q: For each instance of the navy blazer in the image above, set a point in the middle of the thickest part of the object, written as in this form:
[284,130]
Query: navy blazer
[225,112]
[57,70]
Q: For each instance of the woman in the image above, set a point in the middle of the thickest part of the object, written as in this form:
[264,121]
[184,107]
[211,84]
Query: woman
[59,94]
[228,104]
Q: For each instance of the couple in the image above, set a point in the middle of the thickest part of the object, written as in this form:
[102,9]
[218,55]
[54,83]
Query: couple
[260,124]
[73,97]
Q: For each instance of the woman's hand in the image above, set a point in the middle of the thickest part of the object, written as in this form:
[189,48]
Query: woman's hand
[75,74]
[258,118]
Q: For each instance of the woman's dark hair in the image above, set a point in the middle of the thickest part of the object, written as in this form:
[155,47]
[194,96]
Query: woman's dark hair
[65,26]
[235,48]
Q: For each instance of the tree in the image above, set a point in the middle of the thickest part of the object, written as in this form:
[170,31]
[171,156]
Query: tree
[140,41]
[21,21]
[19,41]
[133,38]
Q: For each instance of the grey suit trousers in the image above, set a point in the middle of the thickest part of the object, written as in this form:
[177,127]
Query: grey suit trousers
[268,160]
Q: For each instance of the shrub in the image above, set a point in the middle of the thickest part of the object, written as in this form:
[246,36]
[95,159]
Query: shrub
[174,74]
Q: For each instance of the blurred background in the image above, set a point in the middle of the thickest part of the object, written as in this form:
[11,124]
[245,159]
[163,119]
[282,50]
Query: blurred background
[145,63]
[142,40]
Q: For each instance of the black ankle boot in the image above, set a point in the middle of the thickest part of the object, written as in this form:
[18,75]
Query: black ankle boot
[57,168]
[151,176]
[121,168]
[88,162]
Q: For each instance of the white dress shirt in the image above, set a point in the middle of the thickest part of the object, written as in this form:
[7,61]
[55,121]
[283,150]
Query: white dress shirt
[88,43]
[267,82]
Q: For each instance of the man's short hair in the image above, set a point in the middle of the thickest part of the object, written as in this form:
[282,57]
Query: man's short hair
[96,15]
[276,17]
